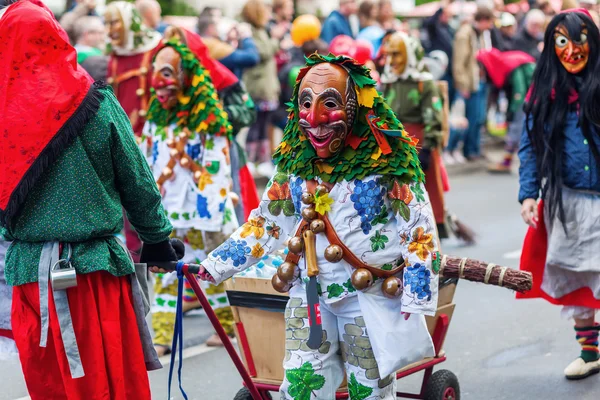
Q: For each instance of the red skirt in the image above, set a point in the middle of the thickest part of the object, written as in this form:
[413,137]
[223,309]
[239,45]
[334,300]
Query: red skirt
[107,336]
[533,259]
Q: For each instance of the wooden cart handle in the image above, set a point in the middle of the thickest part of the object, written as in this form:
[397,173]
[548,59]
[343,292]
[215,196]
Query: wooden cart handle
[310,252]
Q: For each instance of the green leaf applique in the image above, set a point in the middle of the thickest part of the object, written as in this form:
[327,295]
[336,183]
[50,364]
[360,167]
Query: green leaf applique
[175,216]
[227,215]
[288,208]
[334,290]
[401,208]
[275,207]
[378,241]
[210,144]
[382,218]
[356,390]
[387,267]
[348,285]
[418,191]
[186,216]
[303,381]
[436,103]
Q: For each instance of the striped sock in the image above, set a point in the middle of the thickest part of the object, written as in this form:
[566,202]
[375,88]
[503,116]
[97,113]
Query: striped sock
[188,292]
[588,339]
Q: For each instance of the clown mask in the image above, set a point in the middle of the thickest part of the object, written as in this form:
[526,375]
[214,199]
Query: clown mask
[396,54]
[573,54]
[327,104]
[113,20]
[167,79]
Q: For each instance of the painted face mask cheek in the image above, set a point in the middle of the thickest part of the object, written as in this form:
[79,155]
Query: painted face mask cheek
[323,114]
[166,79]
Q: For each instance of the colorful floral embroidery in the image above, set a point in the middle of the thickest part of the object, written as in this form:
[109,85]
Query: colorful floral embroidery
[418,277]
[368,201]
[281,198]
[257,251]
[378,241]
[382,218]
[254,226]
[193,150]
[274,230]
[202,207]
[236,250]
[421,244]
[436,262]
[400,197]
[204,180]
[323,203]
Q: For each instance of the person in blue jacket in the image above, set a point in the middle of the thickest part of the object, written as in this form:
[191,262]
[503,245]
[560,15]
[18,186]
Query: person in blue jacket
[560,164]
[338,22]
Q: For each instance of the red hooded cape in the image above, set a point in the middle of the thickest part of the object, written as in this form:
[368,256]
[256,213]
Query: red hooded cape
[45,99]
[499,65]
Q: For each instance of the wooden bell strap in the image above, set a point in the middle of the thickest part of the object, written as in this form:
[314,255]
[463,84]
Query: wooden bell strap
[291,257]
[348,255]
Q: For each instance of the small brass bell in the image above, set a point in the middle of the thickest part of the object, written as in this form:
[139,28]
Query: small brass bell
[308,198]
[362,279]
[185,162]
[317,226]
[167,172]
[142,113]
[174,153]
[334,253]
[392,287]
[279,285]
[288,272]
[170,143]
[321,189]
[197,176]
[296,245]
[309,213]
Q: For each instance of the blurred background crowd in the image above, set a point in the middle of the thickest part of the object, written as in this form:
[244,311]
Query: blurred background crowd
[264,43]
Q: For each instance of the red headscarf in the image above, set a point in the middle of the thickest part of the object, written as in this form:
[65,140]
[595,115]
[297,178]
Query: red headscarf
[499,65]
[45,99]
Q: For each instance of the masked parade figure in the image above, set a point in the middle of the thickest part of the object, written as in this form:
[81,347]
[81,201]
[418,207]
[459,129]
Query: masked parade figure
[187,141]
[70,165]
[349,191]
[560,158]
[414,96]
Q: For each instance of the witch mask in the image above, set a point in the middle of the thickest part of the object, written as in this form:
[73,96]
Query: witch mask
[573,54]
[396,54]
[327,106]
[115,26]
[167,79]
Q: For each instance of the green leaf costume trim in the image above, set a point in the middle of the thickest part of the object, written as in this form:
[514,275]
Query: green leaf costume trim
[303,381]
[356,390]
[199,108]
[334,290]
[295,155]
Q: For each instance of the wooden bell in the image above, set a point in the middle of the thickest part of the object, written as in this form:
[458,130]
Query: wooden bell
[392,287]
[362,279]
[308,198]
[185,162]
[167,172]
[317,226]
[334,253]
[279,285]
[309,213]
[288,272]
[296,245]
[174,153]
[170,143]
[197,175]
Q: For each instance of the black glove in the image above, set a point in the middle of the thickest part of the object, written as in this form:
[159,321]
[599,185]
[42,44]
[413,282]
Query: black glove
[510,116]
[424,158]
[167,250]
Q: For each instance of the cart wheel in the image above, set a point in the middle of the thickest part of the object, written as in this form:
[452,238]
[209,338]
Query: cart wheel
[244,394]
[442,385]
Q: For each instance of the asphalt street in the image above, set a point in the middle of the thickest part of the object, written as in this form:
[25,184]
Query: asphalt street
[499,348]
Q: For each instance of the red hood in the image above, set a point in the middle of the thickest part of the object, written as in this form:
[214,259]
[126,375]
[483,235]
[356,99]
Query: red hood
[221,76]
[45,99]
[499,65]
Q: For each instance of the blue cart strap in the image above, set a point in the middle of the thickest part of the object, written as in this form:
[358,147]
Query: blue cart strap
[178,333]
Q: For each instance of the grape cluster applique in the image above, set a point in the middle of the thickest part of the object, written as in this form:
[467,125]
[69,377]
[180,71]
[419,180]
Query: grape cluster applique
[368,200]
[236,250]
[418,277]
[296,189]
